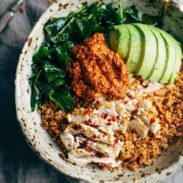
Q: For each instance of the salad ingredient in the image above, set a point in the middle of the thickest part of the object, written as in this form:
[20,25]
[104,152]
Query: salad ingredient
[124,47]
[149,53]
[171,57]
[160,57]
[62,98]
[87,140]
[135,48]
[177,65]
[96,70]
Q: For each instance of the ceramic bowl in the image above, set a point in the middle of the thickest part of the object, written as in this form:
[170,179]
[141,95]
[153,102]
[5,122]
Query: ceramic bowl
[38,138]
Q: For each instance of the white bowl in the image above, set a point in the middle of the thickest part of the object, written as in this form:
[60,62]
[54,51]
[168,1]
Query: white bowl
[38,138]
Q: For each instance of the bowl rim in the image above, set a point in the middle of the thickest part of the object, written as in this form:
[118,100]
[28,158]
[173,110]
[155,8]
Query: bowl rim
[20,116]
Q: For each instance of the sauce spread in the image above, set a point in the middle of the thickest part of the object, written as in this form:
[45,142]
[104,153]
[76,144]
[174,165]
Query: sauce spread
[97,71]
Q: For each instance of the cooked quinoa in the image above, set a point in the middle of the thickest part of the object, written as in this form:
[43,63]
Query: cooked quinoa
[144,151]
[138,151]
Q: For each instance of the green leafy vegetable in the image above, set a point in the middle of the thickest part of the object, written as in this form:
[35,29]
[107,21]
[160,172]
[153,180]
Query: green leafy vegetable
[61,96]
[53,73]
[36,94]
[62,56]
[130,15]
[53,26]
[49,80]
[41,54]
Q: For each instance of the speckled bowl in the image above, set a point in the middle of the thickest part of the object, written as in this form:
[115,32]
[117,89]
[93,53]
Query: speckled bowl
[40,141]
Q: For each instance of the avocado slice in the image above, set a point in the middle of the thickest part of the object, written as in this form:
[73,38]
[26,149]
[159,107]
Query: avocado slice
[177,65]
[149,46]
[135,48]
[161,56]
[119,40]
[148,51]
[171,47]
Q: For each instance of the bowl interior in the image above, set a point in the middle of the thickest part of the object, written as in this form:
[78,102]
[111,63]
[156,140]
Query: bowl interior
[38,138]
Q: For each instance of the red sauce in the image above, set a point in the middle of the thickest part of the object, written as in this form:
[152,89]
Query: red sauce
[88,111]
[76,127]
[145,85]
[90,123]
[130,96]
[100,155]
[84,144]
[94,136]
[104,116]
[142,82]
[152,120]
[113,118]
[133,114]
[116,141]
[88,149]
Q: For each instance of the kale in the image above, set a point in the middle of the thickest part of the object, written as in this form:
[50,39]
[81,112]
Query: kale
[61,96]
[128,15]
[36,93]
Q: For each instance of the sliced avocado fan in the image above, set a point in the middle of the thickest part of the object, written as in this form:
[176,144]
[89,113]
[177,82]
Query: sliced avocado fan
[148,51]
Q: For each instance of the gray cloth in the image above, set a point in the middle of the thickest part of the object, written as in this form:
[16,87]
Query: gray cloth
[18,164]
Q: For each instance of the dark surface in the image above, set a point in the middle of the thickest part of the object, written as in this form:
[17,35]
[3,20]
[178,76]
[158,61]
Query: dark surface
[18,163]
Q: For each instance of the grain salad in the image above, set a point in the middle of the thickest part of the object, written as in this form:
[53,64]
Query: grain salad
[109,88]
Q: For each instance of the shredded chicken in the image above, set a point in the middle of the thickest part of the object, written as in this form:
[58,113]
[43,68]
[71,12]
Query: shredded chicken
[87,144]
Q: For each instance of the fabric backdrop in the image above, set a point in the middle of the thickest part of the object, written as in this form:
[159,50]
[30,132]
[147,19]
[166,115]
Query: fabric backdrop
[18,164]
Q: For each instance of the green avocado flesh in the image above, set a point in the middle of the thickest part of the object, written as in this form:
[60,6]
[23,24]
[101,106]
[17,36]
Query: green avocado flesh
[177,65]
[161,57]
[119,40]
[171,57]
[147,61]
[135,48]
[148,51]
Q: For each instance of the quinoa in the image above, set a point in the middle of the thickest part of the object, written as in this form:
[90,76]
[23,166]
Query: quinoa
[53,121]
[138,152]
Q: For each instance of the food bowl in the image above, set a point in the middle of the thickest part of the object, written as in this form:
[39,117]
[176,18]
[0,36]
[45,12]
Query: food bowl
[40,141]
